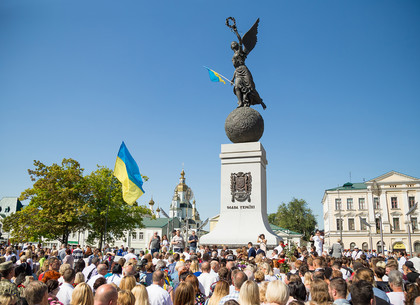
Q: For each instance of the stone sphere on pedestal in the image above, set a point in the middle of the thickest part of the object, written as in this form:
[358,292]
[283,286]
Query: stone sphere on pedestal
[244,124]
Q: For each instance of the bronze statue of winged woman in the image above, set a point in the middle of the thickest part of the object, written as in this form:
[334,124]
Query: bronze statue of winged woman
[244,87]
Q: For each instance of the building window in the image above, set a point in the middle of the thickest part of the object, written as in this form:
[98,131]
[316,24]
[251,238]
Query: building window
[396,222]
[376,203]
[414,224]
[362,205]
[349,203]
[141,237]
[378,225]
[411,201]
[394,203]
[362,224]
[365,246]
[351,224]
[352,245]
[339,223]
[134,235]
[417,247]
[379,247]
[338,204]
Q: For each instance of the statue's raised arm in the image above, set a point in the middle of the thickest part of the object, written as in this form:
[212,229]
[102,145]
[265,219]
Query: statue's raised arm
[244,87]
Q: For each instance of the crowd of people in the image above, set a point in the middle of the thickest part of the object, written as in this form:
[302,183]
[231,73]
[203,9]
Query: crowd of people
[184,274]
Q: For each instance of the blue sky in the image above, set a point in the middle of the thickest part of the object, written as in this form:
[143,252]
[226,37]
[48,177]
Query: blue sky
[341,80]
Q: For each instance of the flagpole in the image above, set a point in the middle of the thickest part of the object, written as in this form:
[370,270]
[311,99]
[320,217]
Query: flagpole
[107,209]
[219,75]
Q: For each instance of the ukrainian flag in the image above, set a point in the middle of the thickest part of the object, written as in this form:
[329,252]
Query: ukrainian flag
[127,172]
[214,76]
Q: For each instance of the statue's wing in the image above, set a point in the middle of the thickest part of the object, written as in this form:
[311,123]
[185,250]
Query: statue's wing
[249,40]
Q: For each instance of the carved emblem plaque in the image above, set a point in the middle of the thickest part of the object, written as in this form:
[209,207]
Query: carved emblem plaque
[241,186]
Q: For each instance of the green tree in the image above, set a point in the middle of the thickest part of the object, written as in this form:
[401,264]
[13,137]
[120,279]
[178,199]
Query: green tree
[57,202]
[295,216]
[105,197]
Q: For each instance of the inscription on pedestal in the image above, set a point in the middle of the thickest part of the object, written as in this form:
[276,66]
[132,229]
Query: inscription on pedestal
[241,186]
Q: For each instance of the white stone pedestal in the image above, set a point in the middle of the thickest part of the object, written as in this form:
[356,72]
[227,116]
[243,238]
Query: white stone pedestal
[242,222]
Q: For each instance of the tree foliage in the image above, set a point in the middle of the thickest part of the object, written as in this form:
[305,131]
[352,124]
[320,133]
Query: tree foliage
[295,216]
[105,193]
[56,203]
[62,201]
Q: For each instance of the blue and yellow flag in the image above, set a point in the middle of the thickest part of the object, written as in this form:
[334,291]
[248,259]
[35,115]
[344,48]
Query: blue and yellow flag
[214,76]
[127,172]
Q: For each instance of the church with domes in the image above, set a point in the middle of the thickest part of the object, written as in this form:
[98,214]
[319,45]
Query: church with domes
[183,205]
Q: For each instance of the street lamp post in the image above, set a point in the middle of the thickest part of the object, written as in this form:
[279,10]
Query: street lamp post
[378,215]
[409,213]
[339,211]
[376,190]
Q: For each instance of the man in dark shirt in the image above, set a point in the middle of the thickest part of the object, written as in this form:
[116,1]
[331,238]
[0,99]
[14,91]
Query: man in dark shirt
[410,272]
[251,251]
[192,240]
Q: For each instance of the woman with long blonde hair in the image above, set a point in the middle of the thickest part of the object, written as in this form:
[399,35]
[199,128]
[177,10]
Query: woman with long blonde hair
[262,287]
[125,297]
[128,283]
[141,295]
[249,293]
[82,295]
[184,294]
[200,298]
[268,272]
[277,293]
[220,290]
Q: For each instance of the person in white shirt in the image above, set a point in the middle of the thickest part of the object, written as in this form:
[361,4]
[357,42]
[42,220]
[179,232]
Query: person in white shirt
[279,248]
[130,255]
[401,260]
[416,261]
[318,240]
[90,270]
[206,279]
[395,281]
[66,289]
[116,275]
[178,242]
[158,295]
[215,266]
[102,270]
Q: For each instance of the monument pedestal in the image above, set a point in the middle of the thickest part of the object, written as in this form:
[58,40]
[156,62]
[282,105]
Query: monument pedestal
[243,202]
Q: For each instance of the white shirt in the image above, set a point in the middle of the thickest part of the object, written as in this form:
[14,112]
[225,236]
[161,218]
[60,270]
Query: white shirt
[416,262]
[206,279]
[401,263]
[93,279]
[130,256]
[396,298]
[64,294]
[318,242]
[279,249]
[158,295]
[115,278]
[88,270]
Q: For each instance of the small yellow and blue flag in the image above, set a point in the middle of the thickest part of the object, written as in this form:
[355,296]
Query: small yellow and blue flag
[127,172]
[214,76]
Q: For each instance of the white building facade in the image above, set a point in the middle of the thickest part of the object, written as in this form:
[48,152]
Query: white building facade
[356,212]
